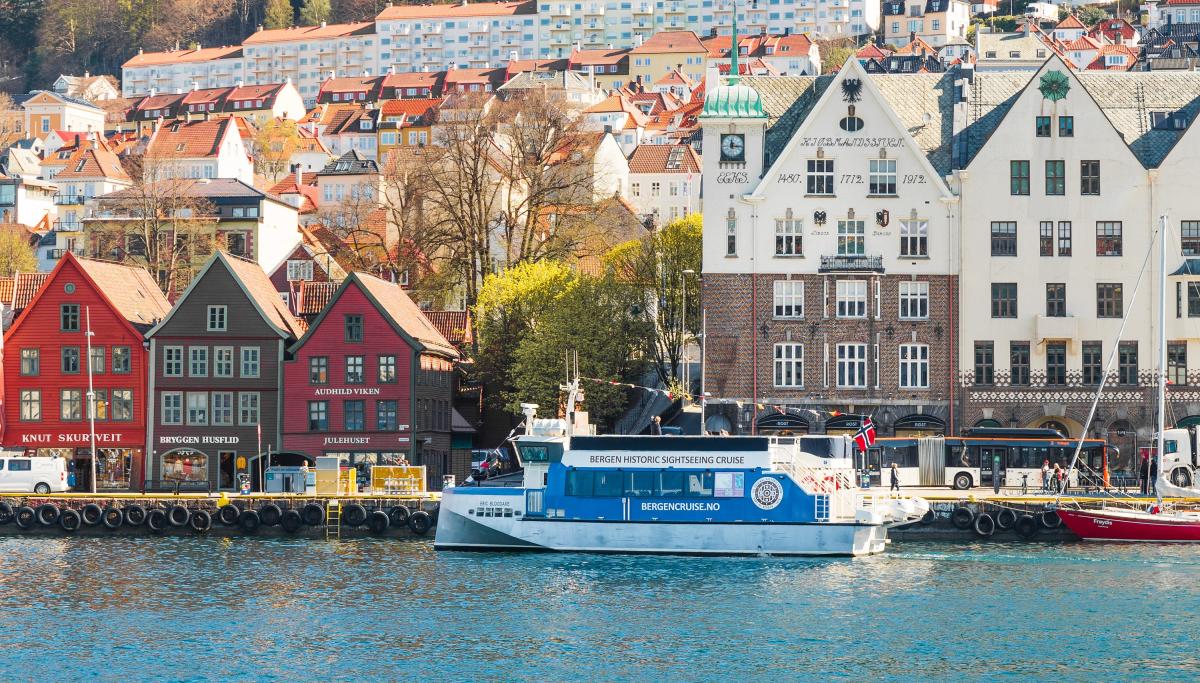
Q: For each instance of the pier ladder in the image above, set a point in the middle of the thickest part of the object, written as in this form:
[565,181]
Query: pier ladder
[333,520]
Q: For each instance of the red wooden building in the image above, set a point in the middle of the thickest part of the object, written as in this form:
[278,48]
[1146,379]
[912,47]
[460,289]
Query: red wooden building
[371,381]
[46,366]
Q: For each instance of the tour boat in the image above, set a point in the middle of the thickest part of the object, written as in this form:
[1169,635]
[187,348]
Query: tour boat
[1157,523]
[710,495]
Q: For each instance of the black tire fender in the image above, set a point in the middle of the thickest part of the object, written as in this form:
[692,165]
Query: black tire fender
[178,516]
[398,515]
[291,521]
[113,517]
[313,514]
[135,515]
[378,522]
[962,518]
[156,520]
[200,521]
[47,514]
[70,520]
[928,518]
[249,521]
[25,517]
[229,514]
[1026,526]
[354,515]
[1006,518]
[270,514]
[1050,519]
[984,525]
[6,512]
[419,522]
[91,514]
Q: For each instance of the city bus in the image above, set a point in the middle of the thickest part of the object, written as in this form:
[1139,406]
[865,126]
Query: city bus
[983,454]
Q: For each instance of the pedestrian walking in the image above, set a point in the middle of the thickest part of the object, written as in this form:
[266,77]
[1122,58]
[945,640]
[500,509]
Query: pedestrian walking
[895,478]
[656,426]
[1046,476]
[1059,478]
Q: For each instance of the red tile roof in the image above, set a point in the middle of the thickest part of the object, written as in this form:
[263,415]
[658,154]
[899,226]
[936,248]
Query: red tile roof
[6,290]
[671,41]
[97,162]
[190,139]
[24,287]
[654,158]
[1071,21]
[596,57]
[177,56]
[410,109]
[133,293]
[871,51]
[1098,64]
[313,297]
[455,326]
[405,314]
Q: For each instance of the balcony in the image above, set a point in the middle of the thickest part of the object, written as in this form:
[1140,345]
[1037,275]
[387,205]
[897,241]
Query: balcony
[851,264]
[56,254]
[67,225]
[69,199]
[1064,327]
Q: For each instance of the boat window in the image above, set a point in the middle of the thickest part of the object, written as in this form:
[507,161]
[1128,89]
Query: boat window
[579,482]
[672,484]
[818,446]
[699,484]
[642,484]
[608,484]
[730,484]
[540,452]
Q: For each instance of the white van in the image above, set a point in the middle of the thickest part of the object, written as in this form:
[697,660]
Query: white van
[33,475]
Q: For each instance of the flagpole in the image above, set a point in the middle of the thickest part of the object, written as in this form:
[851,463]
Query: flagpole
[261,470]
[91,395]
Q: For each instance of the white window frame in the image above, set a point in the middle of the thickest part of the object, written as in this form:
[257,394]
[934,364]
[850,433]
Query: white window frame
[913,296]
[173,361]
[852,237]
[299,269]
[851,299]
[914,365]
[194,399]
[222,361]
[251,365]
[197,357]
[914,233]
[789,299]
[218,318]
[172,408]
[249,405]
[852,366]
[789,365]
[789,235]
[881,174]
[221,408]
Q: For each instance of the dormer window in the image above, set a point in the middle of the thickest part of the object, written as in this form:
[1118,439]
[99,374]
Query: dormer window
[79,167]
[180,147]
[364,124]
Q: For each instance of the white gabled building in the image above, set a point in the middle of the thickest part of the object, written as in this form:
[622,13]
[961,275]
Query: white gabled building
[664,181]
[829,251]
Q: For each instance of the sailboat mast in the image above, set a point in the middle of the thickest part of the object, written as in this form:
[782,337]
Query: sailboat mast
[1162,346]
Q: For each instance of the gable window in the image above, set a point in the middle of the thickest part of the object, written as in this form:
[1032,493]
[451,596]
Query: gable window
[1018,363]
[789,365]
[789,238]
[1042,126]
[1004,238]
[914,366]
[914,238]
[1066,126]
[1189,237]
[984,362]
[820,176]
[318,370]
[851,298]
[1127,362]
[1093,362]
[1046,238]
[217,318]
[68,317]
[31,362]
[1056,363]
[1109,238]
[852,366]
[851,238]
[914,300]
[731,233]
[789,299]
[1109,302]
[354,328]
[1018,182]
[882,177]
[1056,177]
[354,370]
[1004,299]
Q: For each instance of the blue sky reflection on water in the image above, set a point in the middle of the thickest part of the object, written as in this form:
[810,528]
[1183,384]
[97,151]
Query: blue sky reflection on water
[183,608]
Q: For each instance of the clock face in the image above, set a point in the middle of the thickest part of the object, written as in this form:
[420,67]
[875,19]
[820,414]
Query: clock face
[733,147]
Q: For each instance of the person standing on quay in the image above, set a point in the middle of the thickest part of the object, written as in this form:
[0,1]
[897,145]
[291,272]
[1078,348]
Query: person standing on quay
[656,426]
[1046,476]
[895,478]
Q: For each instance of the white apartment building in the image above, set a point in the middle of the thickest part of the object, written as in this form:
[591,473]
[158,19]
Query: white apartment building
[664,181]
[465,35]
[310,54]
[176,70]
[937,22]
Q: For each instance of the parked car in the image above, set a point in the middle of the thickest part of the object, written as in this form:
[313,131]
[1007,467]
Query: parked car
[33,475]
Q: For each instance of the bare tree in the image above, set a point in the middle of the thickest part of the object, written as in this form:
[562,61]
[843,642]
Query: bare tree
[160,223]
[360,224]
[273,146]
[11,119]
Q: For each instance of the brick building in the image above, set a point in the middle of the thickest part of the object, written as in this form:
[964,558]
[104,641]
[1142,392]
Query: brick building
[372,382]
[46,368]
[829,258]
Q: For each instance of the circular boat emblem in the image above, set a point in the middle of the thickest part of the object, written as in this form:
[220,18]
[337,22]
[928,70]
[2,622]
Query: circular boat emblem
[766,493]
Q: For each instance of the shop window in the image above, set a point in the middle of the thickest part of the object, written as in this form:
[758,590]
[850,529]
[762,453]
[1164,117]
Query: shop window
[113,466]
[185,465]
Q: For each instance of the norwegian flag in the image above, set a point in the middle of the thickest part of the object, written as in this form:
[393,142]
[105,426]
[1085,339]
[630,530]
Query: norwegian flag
[865,436]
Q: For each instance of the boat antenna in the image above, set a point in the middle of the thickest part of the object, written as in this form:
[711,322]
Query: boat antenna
[1162,350]
[1112,358]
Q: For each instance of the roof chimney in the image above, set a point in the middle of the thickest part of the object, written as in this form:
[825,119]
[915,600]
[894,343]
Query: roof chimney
[323,24]
[299,176]
[86,74]
[241,84]
[195,86]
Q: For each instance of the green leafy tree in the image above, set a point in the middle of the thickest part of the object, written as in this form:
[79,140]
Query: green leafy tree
[16,253]
[657,267]
[313,12]
[279,14]
[1091,15]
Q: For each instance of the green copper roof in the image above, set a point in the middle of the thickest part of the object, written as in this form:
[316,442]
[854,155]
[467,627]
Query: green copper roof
[735,100]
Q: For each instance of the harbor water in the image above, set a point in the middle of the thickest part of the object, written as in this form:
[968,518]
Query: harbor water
[182,608]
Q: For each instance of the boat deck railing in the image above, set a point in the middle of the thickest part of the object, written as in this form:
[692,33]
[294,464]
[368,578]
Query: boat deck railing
[833,489]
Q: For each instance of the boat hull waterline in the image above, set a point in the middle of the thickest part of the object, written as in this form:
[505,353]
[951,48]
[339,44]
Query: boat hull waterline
[1131,526]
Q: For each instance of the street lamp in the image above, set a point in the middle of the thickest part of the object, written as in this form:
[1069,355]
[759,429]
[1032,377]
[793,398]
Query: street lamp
[687,387]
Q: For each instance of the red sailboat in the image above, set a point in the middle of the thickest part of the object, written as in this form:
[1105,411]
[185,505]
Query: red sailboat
[1157,523]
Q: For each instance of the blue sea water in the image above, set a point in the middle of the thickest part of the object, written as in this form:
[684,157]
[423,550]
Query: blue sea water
[181,608]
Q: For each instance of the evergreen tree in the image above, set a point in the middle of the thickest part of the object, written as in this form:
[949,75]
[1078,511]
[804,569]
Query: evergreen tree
[279,14]
[313,12]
